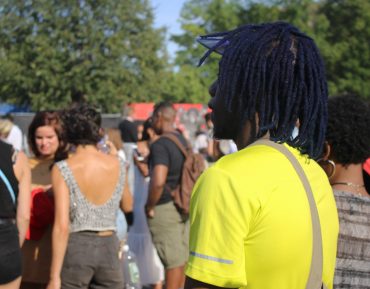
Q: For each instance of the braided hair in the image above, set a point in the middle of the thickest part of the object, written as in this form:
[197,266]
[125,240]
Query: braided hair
[275,71]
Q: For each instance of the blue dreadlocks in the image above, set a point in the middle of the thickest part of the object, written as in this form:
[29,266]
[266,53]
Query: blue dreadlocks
[275,70]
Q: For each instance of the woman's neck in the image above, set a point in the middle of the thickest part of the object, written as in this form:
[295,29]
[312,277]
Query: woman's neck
[349,179]
[86,149]
[46,158]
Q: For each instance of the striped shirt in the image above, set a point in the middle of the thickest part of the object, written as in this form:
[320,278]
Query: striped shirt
[353,256]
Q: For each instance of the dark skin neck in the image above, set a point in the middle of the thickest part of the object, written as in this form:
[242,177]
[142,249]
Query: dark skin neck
[244,138]
[168,127]
[247,133]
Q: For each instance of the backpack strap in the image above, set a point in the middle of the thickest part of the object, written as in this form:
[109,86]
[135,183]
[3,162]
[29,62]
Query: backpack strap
[178,143]
[315,276]
[8,186]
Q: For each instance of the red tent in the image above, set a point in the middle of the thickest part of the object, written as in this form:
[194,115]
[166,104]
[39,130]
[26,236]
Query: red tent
[143,110]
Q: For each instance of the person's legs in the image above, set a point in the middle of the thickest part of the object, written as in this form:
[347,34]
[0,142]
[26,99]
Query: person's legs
[159,285]
[12,285]
[175,278]
[169,232]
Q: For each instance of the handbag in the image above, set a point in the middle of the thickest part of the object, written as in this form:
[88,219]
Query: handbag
[315,276]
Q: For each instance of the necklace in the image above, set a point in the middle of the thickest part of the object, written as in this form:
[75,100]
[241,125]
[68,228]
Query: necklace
[357,187]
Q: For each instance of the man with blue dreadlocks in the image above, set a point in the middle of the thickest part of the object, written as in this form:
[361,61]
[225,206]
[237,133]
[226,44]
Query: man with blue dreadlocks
[265,216]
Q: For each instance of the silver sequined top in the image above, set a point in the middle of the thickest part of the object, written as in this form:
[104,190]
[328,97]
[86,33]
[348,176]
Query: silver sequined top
[86,216]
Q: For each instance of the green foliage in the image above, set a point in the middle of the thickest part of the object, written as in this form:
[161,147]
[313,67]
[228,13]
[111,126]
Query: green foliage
[340,29]
[199,17]
[348,63]
[106,50]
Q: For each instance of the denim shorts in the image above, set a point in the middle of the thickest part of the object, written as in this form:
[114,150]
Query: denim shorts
[92,261]
[170,234]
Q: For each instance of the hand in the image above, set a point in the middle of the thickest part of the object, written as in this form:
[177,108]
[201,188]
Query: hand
[136,160]
[149,212]
[112,148]
[54,283]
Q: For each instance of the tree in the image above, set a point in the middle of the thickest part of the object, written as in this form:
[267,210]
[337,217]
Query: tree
[348,58]
[339,28]
[199,17]
[104,50]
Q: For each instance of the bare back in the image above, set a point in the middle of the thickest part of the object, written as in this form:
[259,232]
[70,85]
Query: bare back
[96,175]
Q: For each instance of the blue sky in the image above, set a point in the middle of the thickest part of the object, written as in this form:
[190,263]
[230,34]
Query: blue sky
[167,13]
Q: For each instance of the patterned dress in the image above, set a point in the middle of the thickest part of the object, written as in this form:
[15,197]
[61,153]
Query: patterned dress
[353,257]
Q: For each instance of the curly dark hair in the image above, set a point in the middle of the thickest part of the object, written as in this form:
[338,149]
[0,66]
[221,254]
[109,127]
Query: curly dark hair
[47,118]
[82,123]
[348,131]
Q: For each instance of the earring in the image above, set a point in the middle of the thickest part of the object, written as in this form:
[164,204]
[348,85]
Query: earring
[323,163]
[333,168]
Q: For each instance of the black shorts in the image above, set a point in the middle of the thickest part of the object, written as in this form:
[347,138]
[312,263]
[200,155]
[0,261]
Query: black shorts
[10,254]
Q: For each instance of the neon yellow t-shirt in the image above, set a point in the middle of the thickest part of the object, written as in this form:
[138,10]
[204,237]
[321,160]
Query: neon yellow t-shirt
[251,224]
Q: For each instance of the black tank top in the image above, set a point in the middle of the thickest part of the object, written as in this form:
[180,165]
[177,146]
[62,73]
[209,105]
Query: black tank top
[7,207]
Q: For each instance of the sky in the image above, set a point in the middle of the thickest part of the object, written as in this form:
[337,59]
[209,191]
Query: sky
[167,13]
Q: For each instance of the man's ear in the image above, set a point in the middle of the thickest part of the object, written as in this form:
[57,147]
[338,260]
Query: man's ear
[326,151]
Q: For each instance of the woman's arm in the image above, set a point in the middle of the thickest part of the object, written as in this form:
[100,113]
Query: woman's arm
[61,227]
[126,204]
[127,200]
[23,174]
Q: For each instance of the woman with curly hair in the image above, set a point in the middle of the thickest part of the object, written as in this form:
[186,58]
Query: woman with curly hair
[45,139]
[89,187]
[347,147]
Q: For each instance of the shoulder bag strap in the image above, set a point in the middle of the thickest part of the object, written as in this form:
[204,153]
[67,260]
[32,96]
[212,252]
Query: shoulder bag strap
[315,275]
[7,184]
[177,142]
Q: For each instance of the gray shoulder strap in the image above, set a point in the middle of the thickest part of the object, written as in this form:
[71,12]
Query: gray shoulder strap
[315,277]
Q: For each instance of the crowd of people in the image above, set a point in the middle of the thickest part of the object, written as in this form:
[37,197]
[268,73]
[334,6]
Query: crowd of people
[284,202]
